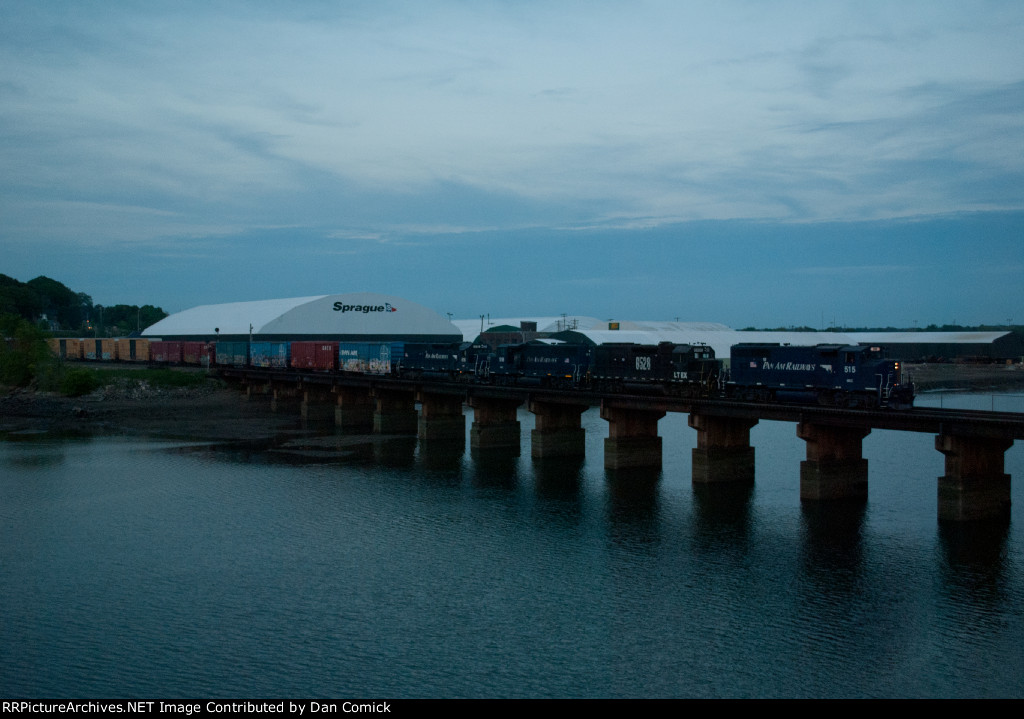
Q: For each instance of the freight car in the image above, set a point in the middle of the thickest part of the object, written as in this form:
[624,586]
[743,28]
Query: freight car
[188,353]
[832,375]
[828,375]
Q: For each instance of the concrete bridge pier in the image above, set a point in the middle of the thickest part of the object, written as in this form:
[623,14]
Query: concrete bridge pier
[317,403]
[257,390]
[835,467]
[440,416]
[974,485]
[284,398]
[494,423]
[723,452]
[353,411]
[395,412]
[633,439]
[557,431]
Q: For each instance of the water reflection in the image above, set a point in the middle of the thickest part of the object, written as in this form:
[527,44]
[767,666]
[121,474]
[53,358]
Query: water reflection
[723,502]
[495,467]
[558,478]
[633,507]
[442,454]
[319,562]
[832,546]
[395,452]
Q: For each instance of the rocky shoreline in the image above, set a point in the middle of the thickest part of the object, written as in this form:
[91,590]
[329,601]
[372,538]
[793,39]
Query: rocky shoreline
[210,412]
[215,412]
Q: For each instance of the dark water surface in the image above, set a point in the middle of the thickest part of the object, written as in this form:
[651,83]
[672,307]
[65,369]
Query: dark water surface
[134,568]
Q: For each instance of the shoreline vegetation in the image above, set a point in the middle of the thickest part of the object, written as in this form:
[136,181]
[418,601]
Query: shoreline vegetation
[194,404]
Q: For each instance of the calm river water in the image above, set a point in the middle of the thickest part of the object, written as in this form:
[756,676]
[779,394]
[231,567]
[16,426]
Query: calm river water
[134,568]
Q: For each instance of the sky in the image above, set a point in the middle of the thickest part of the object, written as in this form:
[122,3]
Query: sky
[751,163]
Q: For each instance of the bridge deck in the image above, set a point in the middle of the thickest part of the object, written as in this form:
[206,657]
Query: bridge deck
[973,423]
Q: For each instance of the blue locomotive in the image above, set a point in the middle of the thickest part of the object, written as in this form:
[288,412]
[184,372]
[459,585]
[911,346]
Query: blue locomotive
[826,374]
[464,362]
[541,363]
[689,370]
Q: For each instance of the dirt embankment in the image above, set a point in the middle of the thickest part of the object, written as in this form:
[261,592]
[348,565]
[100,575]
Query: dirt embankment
[210,412]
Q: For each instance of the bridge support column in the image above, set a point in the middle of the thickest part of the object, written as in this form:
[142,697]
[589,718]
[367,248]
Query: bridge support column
[494,423]
[354,410]
[723,452]
[316,404]
[557,431]
[633,439]
[257,389]
[395,412]
[974,485]
[440,416]
[284,398]
[835,467]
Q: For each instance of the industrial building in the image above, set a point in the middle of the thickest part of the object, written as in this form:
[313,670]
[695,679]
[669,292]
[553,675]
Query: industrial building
[354,317]
[369,317]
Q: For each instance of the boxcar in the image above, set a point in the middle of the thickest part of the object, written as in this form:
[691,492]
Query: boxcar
[198,353]
[132,350]
[231,354]
[276,355]
[98,349]
[369,357]
[165,352]
[73,348]
[322,356]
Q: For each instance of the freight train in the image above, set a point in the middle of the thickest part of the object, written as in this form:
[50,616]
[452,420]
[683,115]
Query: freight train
[829,375]
[824,375]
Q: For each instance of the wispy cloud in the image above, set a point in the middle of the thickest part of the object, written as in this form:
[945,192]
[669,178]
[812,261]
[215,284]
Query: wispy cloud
[415,126]
[853,270]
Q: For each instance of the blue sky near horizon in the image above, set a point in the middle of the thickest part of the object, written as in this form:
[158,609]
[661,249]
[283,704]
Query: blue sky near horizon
[787,163]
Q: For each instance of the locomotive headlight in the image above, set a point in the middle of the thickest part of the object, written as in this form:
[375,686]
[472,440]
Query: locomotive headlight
[897,365]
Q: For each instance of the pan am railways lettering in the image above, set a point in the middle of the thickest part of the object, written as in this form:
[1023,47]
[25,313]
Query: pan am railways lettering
[792,366]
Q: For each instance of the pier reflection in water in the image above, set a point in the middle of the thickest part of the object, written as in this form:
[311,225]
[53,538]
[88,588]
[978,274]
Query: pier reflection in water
[372,566]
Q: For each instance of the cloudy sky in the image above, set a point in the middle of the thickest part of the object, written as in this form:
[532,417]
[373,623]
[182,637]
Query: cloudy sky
[752,163]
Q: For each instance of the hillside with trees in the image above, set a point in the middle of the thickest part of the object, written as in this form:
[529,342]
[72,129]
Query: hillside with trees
[31,311]
[53,307]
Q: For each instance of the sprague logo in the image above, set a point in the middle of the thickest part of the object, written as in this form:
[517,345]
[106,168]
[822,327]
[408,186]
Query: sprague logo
[342,307]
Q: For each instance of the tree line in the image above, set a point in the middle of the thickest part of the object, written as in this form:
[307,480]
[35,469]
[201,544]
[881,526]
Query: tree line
[53,307]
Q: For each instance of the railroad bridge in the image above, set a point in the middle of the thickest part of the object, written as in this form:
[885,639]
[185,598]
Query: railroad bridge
[974,485]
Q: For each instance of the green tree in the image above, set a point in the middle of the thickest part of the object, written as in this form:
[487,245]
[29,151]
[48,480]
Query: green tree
[23,351]
[17,298]
[59,302]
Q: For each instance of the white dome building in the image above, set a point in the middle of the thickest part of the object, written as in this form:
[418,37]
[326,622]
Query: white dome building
[355,317]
